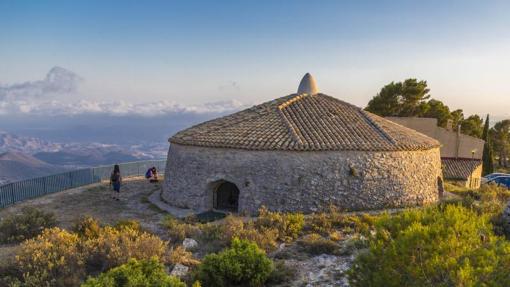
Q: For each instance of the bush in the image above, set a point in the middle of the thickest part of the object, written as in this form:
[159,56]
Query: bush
[178,230]
[288,225]
[325,222]
[315,244]
[113,247]
[87,227]
[179,254]
[243,264]
[143,273]
[51,259]
[448,245]
[128,224]
[235,227]
[30,223]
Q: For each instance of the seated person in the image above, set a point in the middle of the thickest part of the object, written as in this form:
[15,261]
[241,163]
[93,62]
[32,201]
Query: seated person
[152,174]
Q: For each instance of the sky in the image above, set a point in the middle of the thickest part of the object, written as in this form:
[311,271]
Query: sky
[179,54]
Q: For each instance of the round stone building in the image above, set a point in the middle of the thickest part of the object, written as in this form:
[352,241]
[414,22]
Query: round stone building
[301,152]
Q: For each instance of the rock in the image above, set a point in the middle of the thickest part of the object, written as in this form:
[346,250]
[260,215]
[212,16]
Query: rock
[189,243]
[323,270]
[179,270]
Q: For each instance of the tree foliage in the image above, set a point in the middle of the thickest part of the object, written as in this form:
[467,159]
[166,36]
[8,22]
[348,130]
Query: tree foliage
[437,246]
[472,126]
[500,138]
[488,159]
[400,99]
[411,98]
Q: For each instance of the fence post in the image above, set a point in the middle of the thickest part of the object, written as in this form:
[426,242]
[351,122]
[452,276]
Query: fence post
[19,191]
[12,193]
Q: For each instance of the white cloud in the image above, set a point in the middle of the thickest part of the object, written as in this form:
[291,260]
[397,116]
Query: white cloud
[115,108]
[41,98]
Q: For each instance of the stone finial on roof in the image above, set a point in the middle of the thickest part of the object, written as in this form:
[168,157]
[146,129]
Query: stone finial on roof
[308,85]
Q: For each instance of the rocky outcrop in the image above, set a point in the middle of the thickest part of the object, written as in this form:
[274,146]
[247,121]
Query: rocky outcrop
[189,243]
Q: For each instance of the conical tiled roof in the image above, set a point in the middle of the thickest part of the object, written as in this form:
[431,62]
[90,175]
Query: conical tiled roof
[302,122]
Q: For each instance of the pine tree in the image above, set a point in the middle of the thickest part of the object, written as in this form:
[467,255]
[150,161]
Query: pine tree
[488,160]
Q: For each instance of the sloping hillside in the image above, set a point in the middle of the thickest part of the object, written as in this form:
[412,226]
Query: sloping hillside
[17,166]
[85,158]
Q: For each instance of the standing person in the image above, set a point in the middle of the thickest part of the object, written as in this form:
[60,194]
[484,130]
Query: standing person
[115,181]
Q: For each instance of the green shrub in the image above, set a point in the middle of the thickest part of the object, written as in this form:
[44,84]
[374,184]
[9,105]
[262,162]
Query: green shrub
[243,264]
[315,244]
[448,245]
[288,225]
[51,259]
[143,273]
[28,224]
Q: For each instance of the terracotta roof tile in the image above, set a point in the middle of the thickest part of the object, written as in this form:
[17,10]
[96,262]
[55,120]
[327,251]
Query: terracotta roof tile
[304,123]
[459,168]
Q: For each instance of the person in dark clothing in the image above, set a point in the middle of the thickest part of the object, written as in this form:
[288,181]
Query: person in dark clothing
[152,174]
[115,182]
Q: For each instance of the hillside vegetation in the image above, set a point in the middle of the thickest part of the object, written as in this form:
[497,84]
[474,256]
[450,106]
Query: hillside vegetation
[459,242]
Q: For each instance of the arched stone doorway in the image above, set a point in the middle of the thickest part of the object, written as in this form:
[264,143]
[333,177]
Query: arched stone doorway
[226,197]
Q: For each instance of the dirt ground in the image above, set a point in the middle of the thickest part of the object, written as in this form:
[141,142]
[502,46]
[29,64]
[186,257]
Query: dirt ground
[95,200]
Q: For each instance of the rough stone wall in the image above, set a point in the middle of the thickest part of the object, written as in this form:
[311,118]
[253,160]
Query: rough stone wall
[475,179]
[302,181]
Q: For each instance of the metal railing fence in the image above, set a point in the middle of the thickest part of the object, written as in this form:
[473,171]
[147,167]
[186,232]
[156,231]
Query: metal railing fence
[30,188]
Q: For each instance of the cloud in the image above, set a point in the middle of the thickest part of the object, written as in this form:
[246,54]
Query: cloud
[115,108]
[41,98]
[57,81]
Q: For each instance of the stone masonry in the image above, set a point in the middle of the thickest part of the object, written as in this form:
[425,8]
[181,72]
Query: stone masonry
[302,181]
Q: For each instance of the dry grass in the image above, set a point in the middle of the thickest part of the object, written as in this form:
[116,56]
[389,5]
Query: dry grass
[95,201]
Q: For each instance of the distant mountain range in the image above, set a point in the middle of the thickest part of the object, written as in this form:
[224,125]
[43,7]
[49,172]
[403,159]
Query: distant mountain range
[85,158]
[74,155]
[28,145]
[27,157]
[16,166]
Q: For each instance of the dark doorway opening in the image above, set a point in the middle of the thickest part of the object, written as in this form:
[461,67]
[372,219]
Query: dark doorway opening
[226,197]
